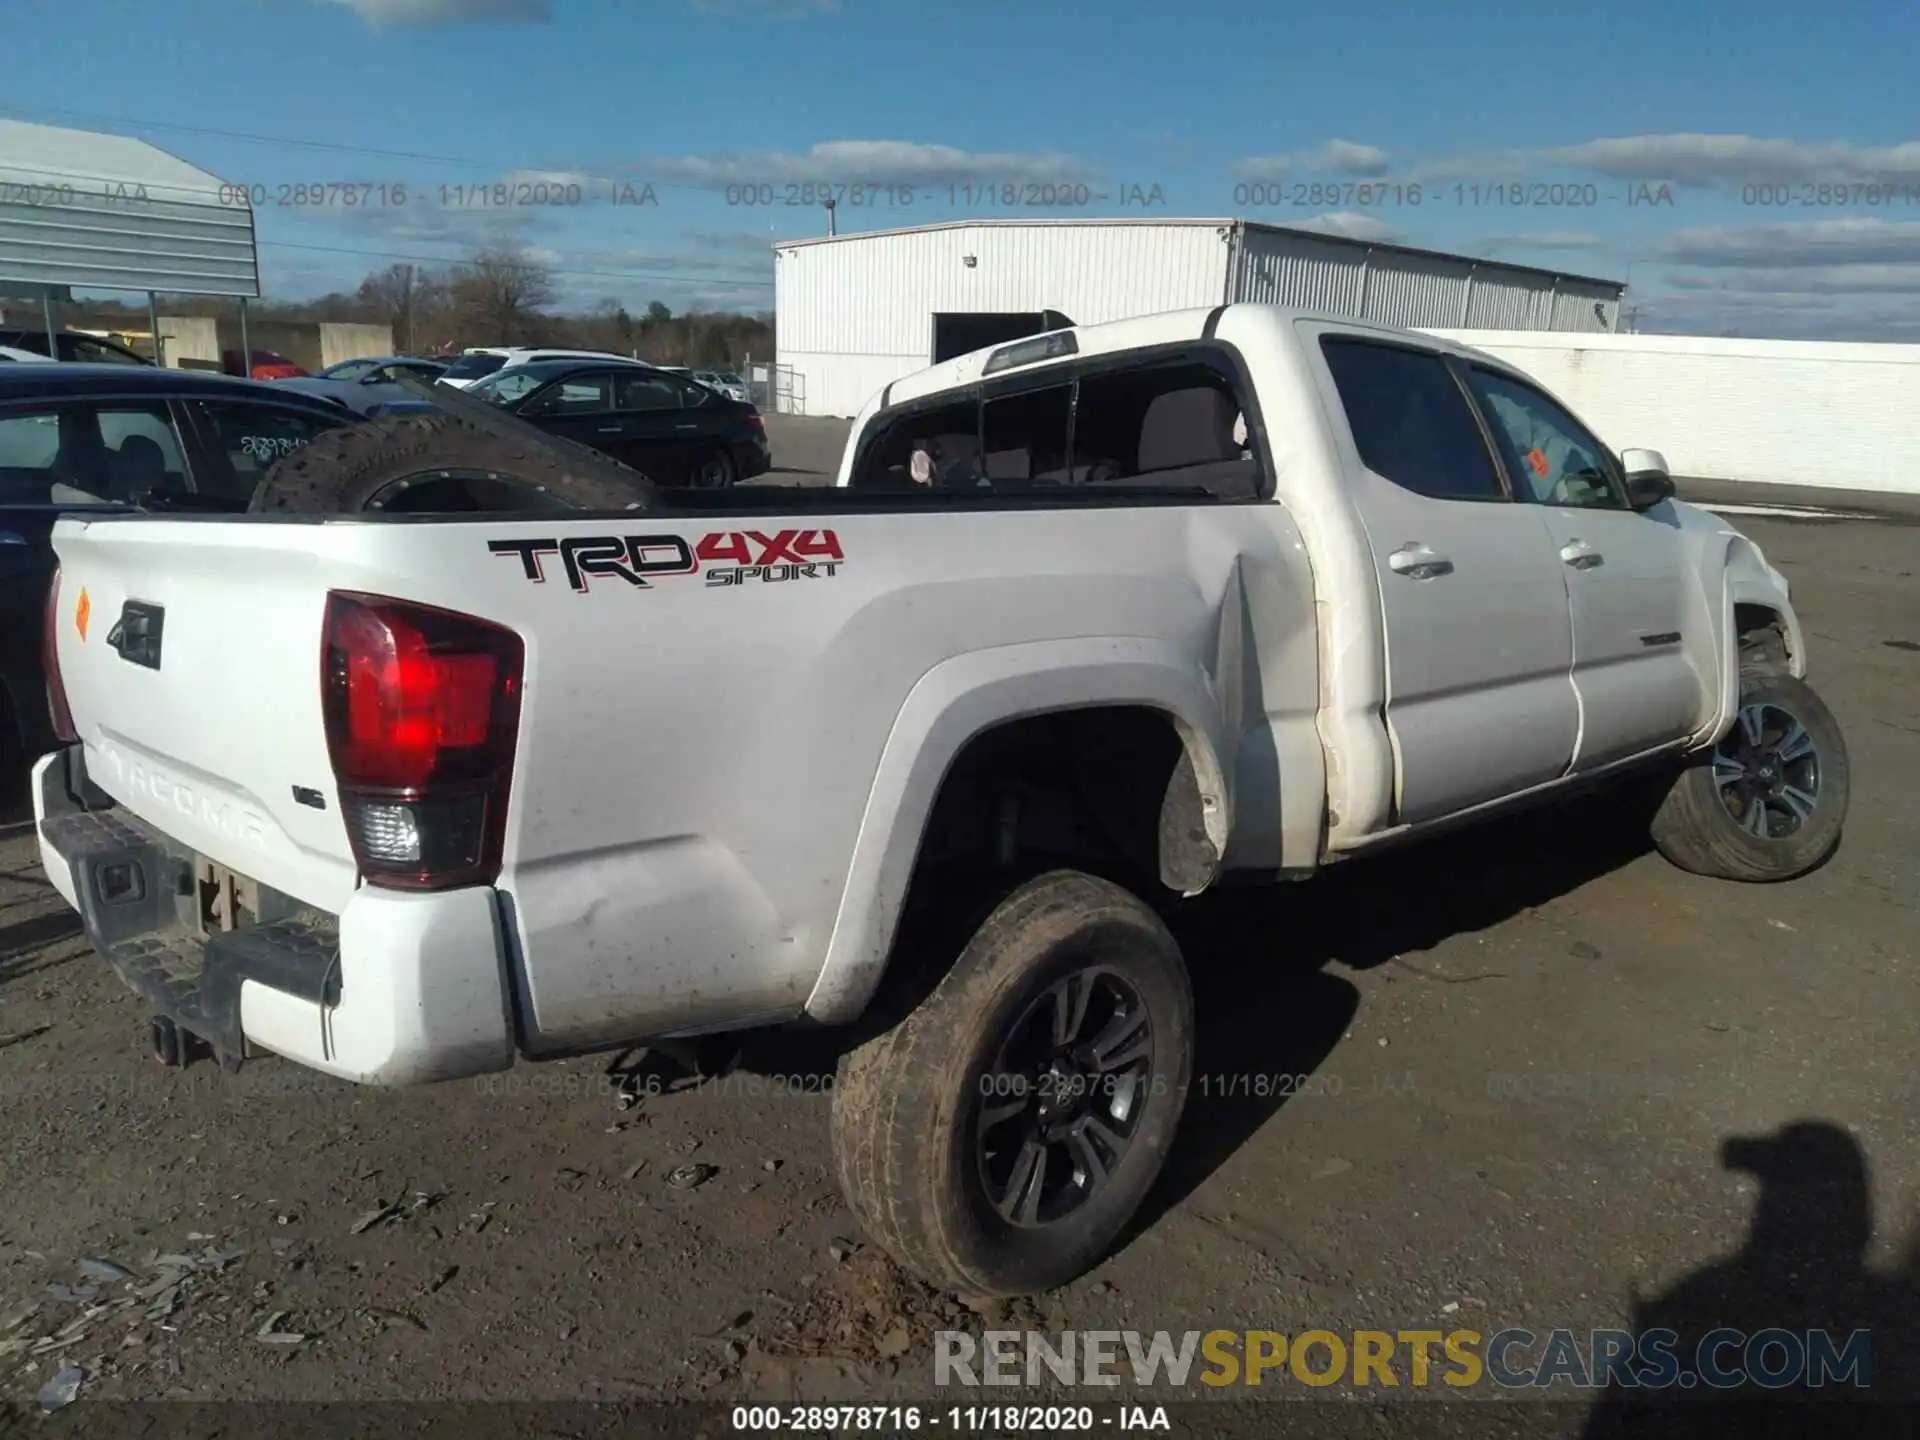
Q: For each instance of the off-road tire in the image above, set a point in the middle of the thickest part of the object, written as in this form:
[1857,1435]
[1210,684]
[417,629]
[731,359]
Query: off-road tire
[342,470]
[1696,831]
[906,1102]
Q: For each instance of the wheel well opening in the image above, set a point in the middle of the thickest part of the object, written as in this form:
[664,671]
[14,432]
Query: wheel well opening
[1108,789]
[1762,636]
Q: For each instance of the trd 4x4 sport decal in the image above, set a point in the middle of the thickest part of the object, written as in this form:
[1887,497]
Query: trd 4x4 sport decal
[727,557]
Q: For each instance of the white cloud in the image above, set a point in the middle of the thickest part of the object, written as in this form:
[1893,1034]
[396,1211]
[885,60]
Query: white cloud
[1543,240]
[1843,240]
[1335,157]
[1781,315]
[1351,225]
[1724,160]
[382,14]
[1811,281]
[863,162]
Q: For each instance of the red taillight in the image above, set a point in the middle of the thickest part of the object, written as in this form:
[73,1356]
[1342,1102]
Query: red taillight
[753,419]
[56,687]
[422,709]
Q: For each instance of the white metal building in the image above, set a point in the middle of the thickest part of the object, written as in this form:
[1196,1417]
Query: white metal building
[104,212]
[857,311]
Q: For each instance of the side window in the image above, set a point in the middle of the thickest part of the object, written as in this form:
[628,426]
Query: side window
[83,454]
[92,352]
[1549,454]
[576,395]
[647,391]
[352,370]
[509,386]
[1164,425]
[29,456]
[1024,436]
[1410,422]
[922,448]
[692,395]
[252,437]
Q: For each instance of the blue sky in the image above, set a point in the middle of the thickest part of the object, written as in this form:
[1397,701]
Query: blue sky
[1326,116]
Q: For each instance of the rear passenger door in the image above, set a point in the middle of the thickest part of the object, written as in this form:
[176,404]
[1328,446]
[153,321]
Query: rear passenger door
[663,432]
[1479,643]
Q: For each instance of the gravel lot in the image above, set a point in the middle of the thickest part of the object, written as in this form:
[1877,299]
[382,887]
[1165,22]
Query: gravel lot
[1475,1085]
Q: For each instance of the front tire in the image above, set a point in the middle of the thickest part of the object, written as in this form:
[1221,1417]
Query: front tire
[1768,802]
[997,1141]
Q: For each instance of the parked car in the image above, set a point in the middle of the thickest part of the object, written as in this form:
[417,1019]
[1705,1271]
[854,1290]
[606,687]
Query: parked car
[383,369]
[1238,592]
[367,387]
[266,365]
[93,439]
[72,346]
[478,363]
[669,428]
[726,382]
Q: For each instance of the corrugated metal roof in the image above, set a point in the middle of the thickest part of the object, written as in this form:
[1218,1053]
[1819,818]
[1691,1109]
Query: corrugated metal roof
[1345,241]
[107,212]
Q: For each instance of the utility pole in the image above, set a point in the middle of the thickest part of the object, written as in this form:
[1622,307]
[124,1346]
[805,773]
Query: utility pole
[407,270]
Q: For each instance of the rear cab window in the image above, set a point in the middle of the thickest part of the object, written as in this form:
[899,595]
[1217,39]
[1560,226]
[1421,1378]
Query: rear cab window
[1145,420]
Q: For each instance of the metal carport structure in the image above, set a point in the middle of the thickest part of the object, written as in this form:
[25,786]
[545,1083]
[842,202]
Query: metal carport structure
[85,211]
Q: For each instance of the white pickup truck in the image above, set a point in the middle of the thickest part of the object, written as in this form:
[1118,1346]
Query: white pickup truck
[1090,619]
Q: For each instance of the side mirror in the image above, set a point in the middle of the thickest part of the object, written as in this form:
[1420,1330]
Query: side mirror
[1648,482]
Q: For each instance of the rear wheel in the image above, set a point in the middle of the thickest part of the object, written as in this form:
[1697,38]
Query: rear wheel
[437,462]
[999,1138]
[1769,801]
[712,470]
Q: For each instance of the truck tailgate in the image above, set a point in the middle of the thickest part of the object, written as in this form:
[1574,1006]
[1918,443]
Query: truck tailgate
[211,725]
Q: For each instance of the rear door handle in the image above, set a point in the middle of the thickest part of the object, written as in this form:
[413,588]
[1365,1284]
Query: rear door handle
[686,427]
[609,429]
[1580,555]
[1417,562]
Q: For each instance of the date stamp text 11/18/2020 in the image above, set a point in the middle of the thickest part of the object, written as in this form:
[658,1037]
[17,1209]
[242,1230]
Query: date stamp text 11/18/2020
[970,195]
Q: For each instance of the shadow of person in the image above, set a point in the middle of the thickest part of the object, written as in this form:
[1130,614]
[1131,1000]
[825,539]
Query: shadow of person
[1801,1274]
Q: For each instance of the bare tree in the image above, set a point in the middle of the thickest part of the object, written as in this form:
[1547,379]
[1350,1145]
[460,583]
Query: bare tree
[500,290]
[402,295]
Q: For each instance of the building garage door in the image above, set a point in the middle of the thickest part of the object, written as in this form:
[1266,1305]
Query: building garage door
[959,333]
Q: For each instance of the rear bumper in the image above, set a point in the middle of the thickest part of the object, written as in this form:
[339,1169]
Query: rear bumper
[753,458]
[397,989]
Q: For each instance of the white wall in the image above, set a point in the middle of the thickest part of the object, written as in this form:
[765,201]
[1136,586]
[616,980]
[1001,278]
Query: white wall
[856,312]
[1785,412]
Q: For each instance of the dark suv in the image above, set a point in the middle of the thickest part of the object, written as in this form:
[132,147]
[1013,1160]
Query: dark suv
[671,429]
[101,437]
